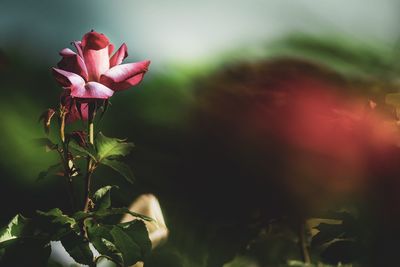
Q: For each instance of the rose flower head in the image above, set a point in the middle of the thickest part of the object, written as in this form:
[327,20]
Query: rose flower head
[93,72]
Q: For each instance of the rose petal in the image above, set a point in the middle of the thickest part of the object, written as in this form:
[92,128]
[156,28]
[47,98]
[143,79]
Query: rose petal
[123,76]
[92,90]
[72,62]
[78,46]
[97,62]
[119,56]
[134,80]
[94,40]
[68,79]
[125,71]
[66,52]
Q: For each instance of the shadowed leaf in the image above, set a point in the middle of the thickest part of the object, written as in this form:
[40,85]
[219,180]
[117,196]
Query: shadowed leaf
[100,237]
[14,229]
[102,198]
[125,243]
[121,168]
[55,224]
[111,147]
[119,211]
[88,151]
[77,248]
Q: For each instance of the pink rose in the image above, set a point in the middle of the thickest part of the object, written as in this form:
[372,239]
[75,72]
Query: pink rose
[92,73]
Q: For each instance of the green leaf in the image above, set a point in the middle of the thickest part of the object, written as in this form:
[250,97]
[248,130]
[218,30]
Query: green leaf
[137,231]
[77,248]
[125,243]
[130,250]
[121,168]
[56,216]
[102,198]
[111,147]
[14,229]
[53,170]
[393,99]
[22,244]
[26,252]
[116,256]
[103,213]
[89,151]
[80,215]
[118,211]
[55,224]
[100,237]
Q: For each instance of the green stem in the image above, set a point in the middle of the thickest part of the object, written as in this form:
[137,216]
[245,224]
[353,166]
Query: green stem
[90,166]
[64,161]
[89,170]
[62,127]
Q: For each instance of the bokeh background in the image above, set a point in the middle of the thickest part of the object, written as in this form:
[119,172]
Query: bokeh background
[200,119]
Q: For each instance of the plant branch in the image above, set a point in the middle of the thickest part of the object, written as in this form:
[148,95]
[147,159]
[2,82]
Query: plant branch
[65,161]
[90,164]
[62,126]
[68,179]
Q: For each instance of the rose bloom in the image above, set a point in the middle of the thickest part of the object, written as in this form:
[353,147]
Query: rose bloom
[92,73]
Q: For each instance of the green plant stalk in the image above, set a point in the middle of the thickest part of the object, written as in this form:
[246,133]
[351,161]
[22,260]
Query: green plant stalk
[64,161]
[89,170]
[90,165]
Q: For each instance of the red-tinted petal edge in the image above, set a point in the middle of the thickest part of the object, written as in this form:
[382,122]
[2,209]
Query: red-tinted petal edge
[119,55]
[72,62]
[94,40]
[67,79]
[123,76]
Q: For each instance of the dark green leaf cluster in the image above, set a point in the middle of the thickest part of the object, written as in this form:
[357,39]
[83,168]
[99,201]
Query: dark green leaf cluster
[123,243]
